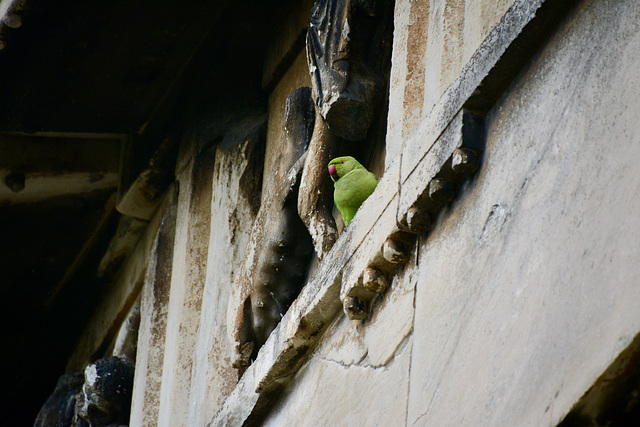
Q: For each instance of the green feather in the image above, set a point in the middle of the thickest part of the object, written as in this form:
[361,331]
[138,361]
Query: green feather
[352,185]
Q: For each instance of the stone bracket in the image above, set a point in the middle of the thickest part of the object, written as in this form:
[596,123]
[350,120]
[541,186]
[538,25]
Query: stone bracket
[431,185]
[452,158]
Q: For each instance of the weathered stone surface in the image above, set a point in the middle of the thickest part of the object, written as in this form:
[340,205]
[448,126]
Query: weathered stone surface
[418,220]
[394,251]
[153,321]
[236,180]
[406,86]
[315,197]
[281,271]
[304,126]
[376,341]
[376,228]
[316,307]
[464,135]
[344,49]
[368,395]
[190,253]
[374,280]
[464,161]
[525,289]
[299,117]
[129,231]
[277,257]
[126,345]
[451,100]
[288,345]
[359,369]
[356,307]
[506,282]
[448,33]
[277,144]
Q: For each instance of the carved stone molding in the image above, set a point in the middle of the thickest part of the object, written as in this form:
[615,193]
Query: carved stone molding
[315,199]
[453,158]
[344,50]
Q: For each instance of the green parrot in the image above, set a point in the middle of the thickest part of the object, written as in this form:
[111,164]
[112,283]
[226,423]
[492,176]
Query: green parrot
[353,184]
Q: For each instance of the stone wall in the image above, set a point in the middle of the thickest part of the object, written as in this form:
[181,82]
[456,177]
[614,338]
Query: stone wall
[432,42]
[505,310]
[525,291]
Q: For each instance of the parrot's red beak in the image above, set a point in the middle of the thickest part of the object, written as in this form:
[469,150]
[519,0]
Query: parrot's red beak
[332,172]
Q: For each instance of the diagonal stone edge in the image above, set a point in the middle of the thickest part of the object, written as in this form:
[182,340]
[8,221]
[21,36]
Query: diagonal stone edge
[319,304]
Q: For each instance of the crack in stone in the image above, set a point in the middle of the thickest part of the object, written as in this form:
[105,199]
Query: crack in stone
[413,323]
[343,364]
[358,364]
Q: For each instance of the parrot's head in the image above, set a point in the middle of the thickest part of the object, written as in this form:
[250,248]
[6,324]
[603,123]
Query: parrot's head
[340,166]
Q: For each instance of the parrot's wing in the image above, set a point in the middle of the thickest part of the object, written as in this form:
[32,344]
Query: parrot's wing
[353,189]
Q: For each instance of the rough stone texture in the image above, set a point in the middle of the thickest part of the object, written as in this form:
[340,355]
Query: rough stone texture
[315,308]
[304,124]
[232,213]
[368,395]
[535,271]
[472,76]
[275,264]
[433,40]
[525,291]
[455,31]
[153,321]
[359,374]
[295,77]
[358,247]
[315,197]
[437,169]
[514,304]
[126,344]
[187,283]
[345,47]
[277,256]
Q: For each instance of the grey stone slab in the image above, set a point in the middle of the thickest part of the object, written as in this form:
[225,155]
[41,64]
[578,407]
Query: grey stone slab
[528,284]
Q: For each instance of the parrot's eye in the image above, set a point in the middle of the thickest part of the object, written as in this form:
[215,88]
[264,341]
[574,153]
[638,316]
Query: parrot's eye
[342,162]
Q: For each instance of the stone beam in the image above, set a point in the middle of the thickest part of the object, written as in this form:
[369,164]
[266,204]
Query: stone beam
[39,166]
